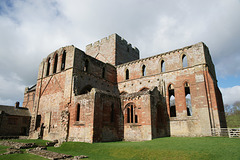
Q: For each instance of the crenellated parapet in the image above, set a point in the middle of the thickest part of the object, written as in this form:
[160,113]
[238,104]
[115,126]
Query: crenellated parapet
[113,49]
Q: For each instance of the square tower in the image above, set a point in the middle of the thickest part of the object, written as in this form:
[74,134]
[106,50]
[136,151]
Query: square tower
[113,49]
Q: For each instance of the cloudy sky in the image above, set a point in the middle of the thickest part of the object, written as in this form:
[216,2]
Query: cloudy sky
[32,29]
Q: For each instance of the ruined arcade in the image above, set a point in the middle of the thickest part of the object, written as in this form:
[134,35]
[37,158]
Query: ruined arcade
[108,94]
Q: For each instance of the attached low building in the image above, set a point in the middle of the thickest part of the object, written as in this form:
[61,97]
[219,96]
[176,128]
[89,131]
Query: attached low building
[14,121]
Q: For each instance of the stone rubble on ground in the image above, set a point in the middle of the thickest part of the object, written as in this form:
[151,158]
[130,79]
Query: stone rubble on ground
[37,150]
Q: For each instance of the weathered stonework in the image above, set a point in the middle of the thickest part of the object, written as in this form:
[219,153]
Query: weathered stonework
[109,94]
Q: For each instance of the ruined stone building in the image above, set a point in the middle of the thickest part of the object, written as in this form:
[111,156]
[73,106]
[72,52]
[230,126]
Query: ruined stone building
[14,121]
[107,94]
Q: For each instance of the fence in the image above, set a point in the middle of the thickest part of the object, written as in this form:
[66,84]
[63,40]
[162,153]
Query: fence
[226,132]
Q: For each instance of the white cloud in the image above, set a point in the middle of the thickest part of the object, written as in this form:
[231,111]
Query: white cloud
[230,95]
[30,30]
[11,89]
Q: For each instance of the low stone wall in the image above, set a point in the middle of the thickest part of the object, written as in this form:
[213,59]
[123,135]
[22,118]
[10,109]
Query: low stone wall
[17,145]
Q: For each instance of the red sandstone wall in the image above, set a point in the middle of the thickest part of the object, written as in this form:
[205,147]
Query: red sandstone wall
[28,100]
[142,130]
[108,123]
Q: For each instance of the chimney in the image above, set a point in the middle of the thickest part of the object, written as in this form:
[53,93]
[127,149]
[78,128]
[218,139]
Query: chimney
[17,104]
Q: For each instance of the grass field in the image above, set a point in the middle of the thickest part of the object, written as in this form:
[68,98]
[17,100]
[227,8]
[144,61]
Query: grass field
[161,148]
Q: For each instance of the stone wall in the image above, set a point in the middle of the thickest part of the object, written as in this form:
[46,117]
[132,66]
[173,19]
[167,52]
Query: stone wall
[12,125]
[81,129]
[108,118]
[28,101]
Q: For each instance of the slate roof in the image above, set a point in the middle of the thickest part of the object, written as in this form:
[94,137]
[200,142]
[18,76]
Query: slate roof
[11,110]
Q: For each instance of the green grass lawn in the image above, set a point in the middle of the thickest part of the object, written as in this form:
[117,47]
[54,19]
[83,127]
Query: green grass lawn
[161,148]
[24,156]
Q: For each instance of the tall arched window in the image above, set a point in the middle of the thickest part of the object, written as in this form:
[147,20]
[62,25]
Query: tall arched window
[63,60]
[55,63]
[48,66]
[172,105]
[143,70]
[85,69]
[184,61]
[78,112]
[188,99]
[162,66]
[128,115]
[131,113]
[127,74]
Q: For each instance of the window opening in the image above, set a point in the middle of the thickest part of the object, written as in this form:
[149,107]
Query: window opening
[48,66]
[188,99]
[184,61]
[131,113]
[38,121]
[136,119]
[55,63]
[172,101]
[78,112]
[128,115]
[85,69]
[162,66]
[143,70]
[127,74]
[63,60]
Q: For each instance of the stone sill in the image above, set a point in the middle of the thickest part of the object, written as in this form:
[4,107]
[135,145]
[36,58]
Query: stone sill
[133,124]
[77,123]
[182,119]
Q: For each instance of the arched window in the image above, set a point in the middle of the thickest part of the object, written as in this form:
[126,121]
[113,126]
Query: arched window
[63,60]
[112,113]
[55,63]
[162,66]
[188,99]
[48,66]
[131,113]
[172,105]
[184,61]
[103,72]
[123,93]
[127,74]
[144,89]
[143,70]
[85,69]
[78,112]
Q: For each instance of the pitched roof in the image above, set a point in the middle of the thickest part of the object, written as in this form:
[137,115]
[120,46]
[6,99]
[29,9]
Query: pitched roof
[11,110]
